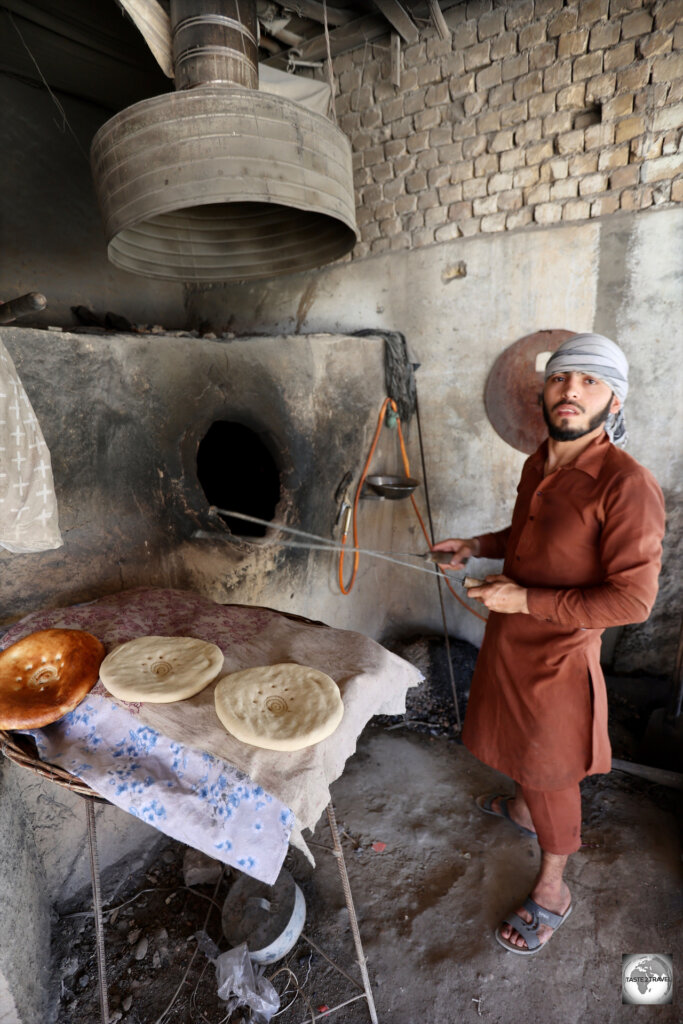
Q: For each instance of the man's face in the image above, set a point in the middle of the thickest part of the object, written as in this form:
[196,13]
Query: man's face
[574,404]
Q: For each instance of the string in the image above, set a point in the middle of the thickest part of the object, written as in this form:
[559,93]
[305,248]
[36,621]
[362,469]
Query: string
[60,108]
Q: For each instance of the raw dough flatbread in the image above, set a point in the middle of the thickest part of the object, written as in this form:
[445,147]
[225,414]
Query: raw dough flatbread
[160,669]
[279,707]
[45,675]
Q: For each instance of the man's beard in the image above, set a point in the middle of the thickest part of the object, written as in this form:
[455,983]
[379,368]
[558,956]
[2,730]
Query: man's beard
[572,433]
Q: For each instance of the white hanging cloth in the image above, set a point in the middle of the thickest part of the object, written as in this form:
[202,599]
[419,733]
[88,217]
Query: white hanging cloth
[28,505]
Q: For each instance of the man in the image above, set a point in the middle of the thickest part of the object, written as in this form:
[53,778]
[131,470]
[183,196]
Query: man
[582,553]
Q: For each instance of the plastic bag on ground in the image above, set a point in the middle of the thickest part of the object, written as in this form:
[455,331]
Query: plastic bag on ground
[240,985]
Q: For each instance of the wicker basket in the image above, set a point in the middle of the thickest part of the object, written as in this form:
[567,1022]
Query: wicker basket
[22,750]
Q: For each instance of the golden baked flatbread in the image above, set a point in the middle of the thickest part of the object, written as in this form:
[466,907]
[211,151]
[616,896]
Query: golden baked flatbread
[45,675]
[279,707]
[160,669]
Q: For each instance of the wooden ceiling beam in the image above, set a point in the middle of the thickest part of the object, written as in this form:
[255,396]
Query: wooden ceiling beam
[343,38]
[399,18]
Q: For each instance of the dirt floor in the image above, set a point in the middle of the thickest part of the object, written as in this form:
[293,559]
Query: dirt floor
[431,878]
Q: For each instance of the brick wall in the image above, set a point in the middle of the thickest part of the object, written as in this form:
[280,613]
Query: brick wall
[535,112]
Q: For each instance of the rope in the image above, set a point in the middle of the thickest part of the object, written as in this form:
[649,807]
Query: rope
[333,109]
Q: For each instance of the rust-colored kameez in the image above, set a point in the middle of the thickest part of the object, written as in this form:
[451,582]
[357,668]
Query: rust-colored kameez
[586,540]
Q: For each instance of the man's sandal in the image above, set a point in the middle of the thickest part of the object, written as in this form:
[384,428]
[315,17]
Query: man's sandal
[529,929]
[484,804]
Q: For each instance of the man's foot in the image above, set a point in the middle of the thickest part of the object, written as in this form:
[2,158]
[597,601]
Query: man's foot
[510,807]
[553,898]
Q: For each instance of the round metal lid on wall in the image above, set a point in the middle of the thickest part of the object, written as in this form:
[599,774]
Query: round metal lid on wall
[514,389]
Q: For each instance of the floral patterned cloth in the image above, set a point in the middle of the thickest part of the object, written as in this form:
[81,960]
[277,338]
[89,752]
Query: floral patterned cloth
[174,765]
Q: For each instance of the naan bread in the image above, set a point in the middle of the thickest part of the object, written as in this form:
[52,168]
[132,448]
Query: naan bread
[160,669]
[279,707]
[45,675]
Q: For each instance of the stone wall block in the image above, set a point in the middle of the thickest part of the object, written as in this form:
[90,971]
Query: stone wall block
[531,35]
[636,24]
[402,129]
[474,104]
[677,190]
[620,106]
[425,236]
[587,66]
[592,183]
[416,182]
[668,118]
[474,188]
[394,188]
[561,23]
[450,194]
[370,231]
[624,177]
[591,11]
[447,232]
[668,14]
[417,142]
[539,151]
[542,105]
[380,245]
[461,171]
[570,142]
[572,44]
[519,14]
[664,167]
[562,121]
[384,210]
[461,86]
[470,227]
[609,159]
[405,204]
[516,113]
[557,75]
[415,55]
[484,205]
[576,209]
[478,56]
[504,45]
[383,172]
[598,136]
[525,177]
[619,7]
[437,47]
[429,73]
[542,56]
[459,211]
[428,200]
[515,67]
[488,77]
[604,35]
[453,64]
[636,77]
[501,95]
[501,141]
[512,159]
[427,159]
[620,57]
[491,24]
[437,95]
[493,222]
[604,205]
[427,119]
[519,219]
[572,97]
[528,85]
[512,199]
[538,193]
[439,175]
[488,122]
[601,88]
[654,44]
[474,147]
[629,128]
[548,213]
[499,182]
[530,131]
[413,103]
[566,188]
[440,136]
[361,98]
[664,69]
[485,164]
[465,35]
[559,168]
[435,216]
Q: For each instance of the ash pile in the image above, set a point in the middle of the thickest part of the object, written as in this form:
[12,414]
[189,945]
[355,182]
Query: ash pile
[430,707]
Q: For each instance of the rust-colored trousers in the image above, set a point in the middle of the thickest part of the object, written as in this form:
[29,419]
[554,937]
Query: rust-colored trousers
[556,815]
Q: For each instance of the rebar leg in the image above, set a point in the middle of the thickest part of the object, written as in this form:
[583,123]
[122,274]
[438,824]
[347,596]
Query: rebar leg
[97,906]
[360,955]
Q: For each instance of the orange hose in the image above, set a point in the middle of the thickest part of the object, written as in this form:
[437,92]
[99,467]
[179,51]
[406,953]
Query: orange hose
[406,465]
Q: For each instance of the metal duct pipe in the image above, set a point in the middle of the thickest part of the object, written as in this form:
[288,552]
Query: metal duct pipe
[218,182]
[214,43]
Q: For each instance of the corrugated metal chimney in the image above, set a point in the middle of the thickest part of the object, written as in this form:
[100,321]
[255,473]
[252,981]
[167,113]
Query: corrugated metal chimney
[218,181]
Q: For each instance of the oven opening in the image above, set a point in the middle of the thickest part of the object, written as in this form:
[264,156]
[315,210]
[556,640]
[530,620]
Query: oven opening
[238,473]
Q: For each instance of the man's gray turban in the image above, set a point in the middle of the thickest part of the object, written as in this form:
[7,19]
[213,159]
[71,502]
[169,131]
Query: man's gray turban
[594,354]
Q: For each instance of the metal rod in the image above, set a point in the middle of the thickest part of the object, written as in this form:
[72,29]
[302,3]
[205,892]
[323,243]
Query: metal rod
[341,864]
[439,581]
[97,906]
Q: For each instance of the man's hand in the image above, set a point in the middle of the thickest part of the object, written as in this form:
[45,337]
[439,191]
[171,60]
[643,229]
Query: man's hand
[460,549]
[500,594]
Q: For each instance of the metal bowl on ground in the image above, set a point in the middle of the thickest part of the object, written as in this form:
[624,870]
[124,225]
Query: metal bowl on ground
[393,487]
